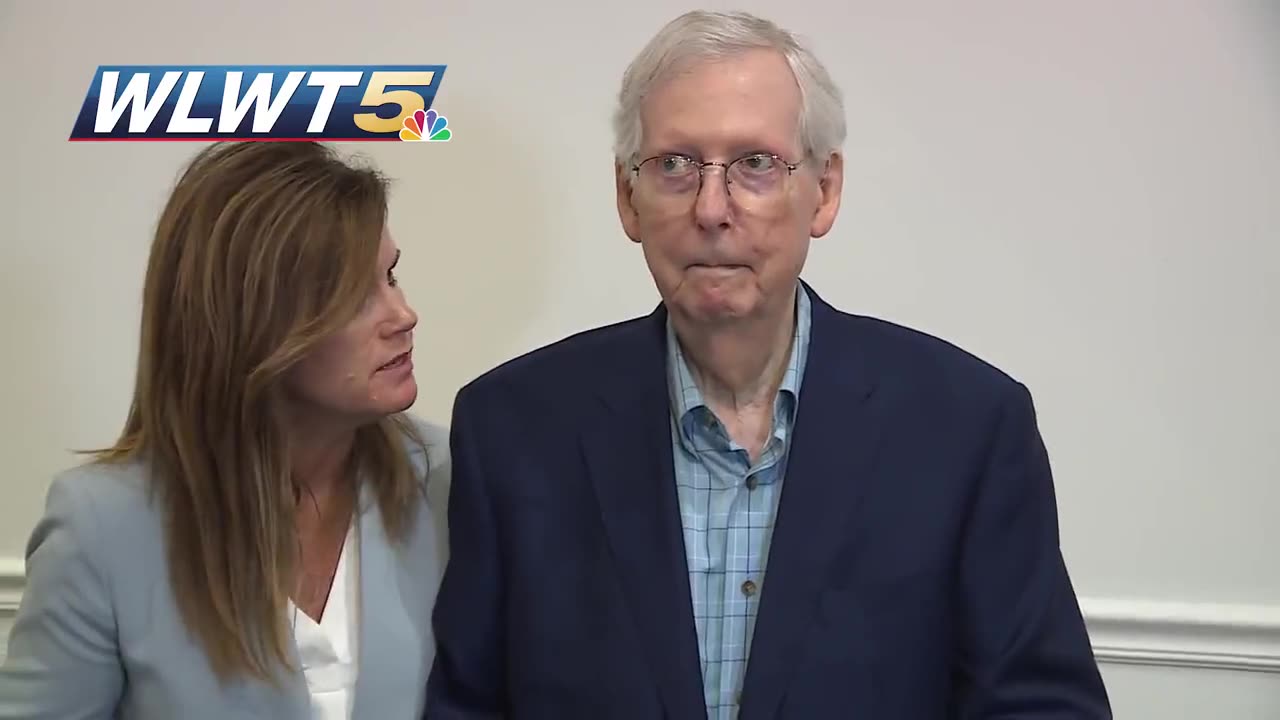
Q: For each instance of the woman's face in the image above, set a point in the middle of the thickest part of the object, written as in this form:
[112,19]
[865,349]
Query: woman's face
[364,371]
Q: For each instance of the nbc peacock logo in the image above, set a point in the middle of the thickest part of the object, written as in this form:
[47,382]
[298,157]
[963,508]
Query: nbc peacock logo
[429,125]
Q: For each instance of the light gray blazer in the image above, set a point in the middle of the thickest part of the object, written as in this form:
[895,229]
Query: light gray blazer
[98,634]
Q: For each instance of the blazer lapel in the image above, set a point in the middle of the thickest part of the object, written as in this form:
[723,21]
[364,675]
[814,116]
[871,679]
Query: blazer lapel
[629,458]
[380,635]
[833,448]
[293,699]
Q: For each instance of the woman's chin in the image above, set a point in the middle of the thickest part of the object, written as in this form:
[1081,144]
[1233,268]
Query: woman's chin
[402,398]
[387,398]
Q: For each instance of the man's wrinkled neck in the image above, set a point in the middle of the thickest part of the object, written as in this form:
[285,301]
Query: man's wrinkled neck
[739,362]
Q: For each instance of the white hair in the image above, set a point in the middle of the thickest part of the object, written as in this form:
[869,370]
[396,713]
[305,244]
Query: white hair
[706,36]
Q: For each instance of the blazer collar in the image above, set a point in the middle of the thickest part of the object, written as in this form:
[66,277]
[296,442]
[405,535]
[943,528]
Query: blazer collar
[383,620]
[834,448]
[627,446]
[382,630]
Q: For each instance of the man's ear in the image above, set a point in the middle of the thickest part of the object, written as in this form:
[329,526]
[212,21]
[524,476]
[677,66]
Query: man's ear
[830,185]
[626,211]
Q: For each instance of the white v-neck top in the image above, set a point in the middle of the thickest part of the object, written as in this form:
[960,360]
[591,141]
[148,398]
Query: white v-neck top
[328,649]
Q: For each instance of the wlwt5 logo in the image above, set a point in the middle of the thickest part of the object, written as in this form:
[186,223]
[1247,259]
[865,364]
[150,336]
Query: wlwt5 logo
[263,102]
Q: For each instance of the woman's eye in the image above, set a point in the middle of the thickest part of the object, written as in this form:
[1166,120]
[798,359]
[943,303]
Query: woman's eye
[391,279]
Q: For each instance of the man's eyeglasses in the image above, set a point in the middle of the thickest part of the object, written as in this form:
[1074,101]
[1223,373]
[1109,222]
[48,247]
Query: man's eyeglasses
[755,182]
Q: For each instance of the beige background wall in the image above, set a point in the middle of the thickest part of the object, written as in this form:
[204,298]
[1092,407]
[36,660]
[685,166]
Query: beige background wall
[1086,194]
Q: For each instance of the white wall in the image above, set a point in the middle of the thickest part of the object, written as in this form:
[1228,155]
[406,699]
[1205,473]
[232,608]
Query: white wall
[1087,194]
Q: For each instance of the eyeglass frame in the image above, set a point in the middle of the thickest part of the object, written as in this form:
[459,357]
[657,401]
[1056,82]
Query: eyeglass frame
[702,166]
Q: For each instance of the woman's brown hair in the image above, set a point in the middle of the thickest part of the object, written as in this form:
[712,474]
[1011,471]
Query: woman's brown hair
[262,250]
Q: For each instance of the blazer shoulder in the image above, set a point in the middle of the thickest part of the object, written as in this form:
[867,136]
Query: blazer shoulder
[104,515]
[426,441]
[427,444]
[920,358]
[112,482]
[573,356]
[109,500]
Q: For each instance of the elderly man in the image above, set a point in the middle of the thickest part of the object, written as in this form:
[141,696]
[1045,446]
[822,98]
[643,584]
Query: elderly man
[748,503]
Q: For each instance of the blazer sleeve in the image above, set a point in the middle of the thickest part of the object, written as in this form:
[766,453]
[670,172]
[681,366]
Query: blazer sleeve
[1026,649]
[467,679]
[62,661]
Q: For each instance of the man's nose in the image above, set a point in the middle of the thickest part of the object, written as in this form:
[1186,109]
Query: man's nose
[712,202]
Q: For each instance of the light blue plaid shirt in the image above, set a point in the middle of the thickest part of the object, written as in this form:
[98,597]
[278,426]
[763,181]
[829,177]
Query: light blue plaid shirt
[727,509]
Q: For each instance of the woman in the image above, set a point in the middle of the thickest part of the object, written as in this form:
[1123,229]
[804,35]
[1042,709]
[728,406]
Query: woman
[259,542]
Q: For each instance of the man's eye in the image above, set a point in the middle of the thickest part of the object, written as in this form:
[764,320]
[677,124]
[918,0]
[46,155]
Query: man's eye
[675,165]
[758,163]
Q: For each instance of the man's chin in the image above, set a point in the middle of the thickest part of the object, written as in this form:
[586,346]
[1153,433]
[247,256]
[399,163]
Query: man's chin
[718,310]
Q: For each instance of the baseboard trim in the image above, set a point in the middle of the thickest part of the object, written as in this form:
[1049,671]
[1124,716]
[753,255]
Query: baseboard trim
[1205,636]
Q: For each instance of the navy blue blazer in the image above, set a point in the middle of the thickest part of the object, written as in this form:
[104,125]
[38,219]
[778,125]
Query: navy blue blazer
[915,570]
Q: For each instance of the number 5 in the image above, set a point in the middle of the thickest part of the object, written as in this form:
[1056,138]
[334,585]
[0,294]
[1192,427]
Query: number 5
[377,94]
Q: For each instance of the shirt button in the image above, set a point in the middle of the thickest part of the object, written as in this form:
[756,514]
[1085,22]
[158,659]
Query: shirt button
[748,588]
[752,482]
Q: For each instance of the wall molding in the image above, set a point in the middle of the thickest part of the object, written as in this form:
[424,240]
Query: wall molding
[1205,636]
[12,572]
[11,582]
[1214,636]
